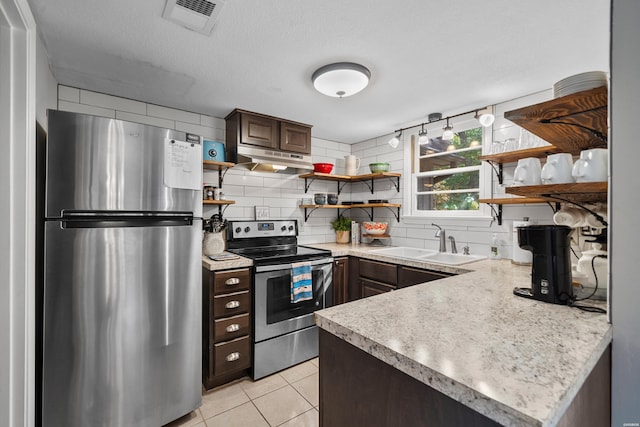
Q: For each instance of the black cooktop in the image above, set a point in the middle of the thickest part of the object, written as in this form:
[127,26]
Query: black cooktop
[281,254]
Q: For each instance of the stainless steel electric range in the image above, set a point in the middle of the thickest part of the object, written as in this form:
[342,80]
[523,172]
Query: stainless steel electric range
[284,333]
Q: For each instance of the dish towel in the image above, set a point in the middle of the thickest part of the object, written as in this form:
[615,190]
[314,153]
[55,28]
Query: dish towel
[301,286]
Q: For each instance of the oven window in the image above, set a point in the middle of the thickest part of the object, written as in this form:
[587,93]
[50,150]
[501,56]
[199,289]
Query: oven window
[279,305]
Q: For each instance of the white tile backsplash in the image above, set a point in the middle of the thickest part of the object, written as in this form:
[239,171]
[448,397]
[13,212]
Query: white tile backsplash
[86,109]
[67,93]
[113,102]
[282,192]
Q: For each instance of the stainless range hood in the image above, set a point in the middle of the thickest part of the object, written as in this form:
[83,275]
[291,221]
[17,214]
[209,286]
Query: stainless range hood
[262,160]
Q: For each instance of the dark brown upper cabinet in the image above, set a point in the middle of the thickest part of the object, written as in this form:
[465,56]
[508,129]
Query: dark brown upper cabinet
[259,130]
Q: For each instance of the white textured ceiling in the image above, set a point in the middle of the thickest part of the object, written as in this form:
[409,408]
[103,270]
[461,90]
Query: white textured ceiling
[425,56]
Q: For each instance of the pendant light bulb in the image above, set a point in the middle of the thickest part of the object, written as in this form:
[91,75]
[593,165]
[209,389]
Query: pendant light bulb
[447,135]
[486,119]
[395,141]
[422,136]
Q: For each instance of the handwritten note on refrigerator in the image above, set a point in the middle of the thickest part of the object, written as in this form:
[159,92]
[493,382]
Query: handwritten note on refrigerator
[182,164]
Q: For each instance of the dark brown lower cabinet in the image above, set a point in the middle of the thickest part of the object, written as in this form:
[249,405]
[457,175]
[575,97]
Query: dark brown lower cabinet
[226,325]
[369,277]
[340,280]
[357,389]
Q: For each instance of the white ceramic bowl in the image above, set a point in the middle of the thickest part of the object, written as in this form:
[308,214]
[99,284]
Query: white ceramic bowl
[374,227]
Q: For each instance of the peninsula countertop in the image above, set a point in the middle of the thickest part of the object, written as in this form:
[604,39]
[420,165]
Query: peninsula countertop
[517,361]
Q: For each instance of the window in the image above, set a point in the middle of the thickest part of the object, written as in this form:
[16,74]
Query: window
[447,177]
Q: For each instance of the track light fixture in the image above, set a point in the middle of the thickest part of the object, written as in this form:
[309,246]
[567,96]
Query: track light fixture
[447,135]
[483,115]
[393,142]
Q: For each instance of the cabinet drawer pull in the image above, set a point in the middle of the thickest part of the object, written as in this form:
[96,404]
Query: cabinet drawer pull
[233,327]
[232,304]
[232,357]
[232,281]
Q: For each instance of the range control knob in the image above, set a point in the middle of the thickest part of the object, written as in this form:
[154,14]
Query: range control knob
[291,228]
[246,229]
[238,229]
[283,228]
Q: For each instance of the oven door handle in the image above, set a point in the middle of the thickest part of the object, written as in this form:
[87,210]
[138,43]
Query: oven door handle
[263,268]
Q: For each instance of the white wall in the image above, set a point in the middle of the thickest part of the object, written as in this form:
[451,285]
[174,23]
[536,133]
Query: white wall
[625,203]
[46,86]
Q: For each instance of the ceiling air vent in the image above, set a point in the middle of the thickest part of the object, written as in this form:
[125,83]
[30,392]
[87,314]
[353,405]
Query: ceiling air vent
[196,15]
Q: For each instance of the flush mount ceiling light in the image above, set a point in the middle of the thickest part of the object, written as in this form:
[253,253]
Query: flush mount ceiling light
[485,117]
[447,135]
[393,142]
[341,79]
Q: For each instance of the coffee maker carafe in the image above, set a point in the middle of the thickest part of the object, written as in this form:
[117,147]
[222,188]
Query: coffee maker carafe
[551,268]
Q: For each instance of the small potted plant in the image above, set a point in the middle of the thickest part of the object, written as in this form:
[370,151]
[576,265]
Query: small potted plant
[342,225]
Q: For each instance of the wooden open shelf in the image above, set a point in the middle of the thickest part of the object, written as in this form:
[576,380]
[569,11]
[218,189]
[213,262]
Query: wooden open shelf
[213,165]
[580,192]
[571,123]
[218,202]
[350,178]
[513,200]
[360,205]
[514,156]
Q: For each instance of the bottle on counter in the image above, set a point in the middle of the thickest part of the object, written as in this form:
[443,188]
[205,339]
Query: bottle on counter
[495,247]
[355,233]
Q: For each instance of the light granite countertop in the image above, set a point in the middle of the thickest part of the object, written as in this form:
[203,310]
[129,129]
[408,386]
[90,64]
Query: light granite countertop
[239,262]
[515,360]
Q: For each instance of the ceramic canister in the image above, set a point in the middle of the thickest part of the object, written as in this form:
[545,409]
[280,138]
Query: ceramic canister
[351,165]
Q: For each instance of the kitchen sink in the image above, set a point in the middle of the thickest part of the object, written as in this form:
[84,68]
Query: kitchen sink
[451,259]
[428,255]
[405,252]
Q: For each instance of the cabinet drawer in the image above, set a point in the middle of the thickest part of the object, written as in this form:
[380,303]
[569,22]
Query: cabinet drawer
[371,287]
[232,327]
[232,281]
[231,304]
[379,271]
[232,355]
[408,276]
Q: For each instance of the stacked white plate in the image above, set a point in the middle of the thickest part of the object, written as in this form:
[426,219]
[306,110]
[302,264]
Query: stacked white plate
[579,82]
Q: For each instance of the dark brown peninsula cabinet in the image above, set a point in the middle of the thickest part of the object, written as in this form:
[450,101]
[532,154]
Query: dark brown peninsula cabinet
[368,277]
[262,131]
[226,325]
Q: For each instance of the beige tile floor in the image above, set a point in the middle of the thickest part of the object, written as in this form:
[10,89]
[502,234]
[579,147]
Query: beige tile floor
[288,399]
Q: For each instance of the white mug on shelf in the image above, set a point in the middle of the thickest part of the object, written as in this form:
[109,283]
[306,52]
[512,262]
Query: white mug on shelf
[557,170]
[570,216]
[592,166]
[527,172]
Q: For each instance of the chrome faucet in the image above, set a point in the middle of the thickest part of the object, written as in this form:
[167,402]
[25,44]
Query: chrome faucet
[443,238]
[454,250]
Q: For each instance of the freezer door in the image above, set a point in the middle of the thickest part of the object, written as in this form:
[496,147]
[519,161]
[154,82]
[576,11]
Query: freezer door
[122,325]
[101,164]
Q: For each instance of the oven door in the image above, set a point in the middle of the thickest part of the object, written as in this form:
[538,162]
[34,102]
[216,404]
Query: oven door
[275,314]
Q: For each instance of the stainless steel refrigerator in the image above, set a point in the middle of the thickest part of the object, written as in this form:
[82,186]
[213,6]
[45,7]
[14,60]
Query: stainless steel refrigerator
[122,273]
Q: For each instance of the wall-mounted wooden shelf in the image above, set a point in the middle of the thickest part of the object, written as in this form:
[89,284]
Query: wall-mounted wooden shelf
[578,192]
[222,168]
[343,179]
[514,156]
[391,206]
[514,200]
[571,123]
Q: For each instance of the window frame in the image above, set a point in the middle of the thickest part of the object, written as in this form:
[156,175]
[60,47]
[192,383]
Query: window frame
[411,166]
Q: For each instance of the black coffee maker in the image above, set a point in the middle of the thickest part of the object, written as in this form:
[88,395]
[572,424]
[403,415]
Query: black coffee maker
[551,270]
